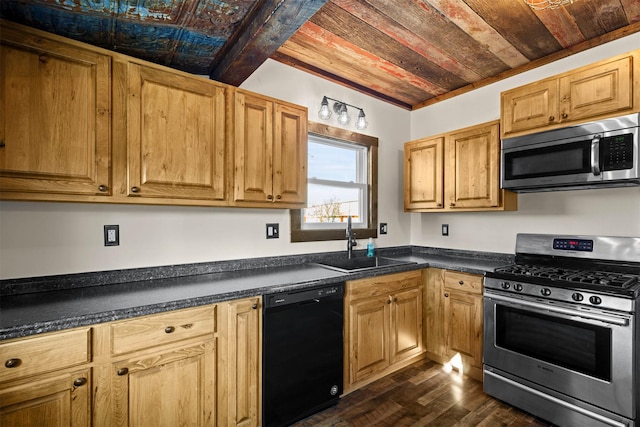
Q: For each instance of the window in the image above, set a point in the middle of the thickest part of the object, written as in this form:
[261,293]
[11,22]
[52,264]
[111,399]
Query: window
[342,182]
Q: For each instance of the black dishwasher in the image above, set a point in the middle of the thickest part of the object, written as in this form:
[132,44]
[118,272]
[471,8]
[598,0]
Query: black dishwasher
[302,364]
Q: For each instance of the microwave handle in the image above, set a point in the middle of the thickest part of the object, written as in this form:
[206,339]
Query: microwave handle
[595,155]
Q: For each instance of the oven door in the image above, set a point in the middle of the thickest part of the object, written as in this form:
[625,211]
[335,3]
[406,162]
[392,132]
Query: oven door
[584,354]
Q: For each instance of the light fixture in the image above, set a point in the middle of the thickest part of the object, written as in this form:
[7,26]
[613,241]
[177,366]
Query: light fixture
[340,108]
[546,4]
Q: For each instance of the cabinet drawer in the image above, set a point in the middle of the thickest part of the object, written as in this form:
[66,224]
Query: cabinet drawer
[50,352]
[383,285]
[463,282]
[151,331]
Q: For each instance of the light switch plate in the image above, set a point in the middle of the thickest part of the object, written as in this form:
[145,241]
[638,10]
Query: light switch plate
[273,231]
[383,228]
[445,229]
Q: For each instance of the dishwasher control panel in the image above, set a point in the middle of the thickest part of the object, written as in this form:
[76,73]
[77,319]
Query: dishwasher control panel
[304,295]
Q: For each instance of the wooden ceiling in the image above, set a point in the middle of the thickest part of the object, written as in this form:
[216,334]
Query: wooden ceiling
[410,53]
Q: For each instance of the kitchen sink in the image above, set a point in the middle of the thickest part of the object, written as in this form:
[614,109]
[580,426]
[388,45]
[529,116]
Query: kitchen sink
[347,265]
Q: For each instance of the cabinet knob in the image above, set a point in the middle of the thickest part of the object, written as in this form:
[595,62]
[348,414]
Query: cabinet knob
[269,197]
[439,204]
[12,363]
[135,189]
[103,188]
[2,144]
[461,282]
[395,299]
[169,329]
[79,382]
[446,295]
[552,118]
[254,306]
[278,197]
[565,115]
[122,372]
[451,204]
[388,301]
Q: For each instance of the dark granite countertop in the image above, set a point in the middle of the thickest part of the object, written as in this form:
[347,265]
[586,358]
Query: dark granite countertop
[37,305]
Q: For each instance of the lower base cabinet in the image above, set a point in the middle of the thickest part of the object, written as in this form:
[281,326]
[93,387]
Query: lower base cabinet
[383,330]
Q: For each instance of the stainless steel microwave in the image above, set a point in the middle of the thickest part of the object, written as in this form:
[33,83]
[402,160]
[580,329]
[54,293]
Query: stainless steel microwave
[597,154]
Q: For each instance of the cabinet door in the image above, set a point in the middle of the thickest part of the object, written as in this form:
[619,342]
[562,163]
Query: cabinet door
[176,131]
[472,168]
[369,337]
[240,363]
[166,389]
[253,158]
[55,119]
[529,107]
[406,325]
[290,155]
[463,326]
[602,89]
[59,401]
[434,313]
[423,174]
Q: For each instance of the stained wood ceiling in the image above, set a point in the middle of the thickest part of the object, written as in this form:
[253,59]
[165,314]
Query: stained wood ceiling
[410,53]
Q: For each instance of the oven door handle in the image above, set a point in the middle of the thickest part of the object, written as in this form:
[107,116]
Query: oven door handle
[547,309]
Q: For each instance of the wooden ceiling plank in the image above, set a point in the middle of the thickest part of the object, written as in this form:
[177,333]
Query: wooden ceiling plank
[458,12]
[519,25]
[269,27]
[562,25]
[368,14]
[595,18]
[632,10]
[368,38]
[430,24]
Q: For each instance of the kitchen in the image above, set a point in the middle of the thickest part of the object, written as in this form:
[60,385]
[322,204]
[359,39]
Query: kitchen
[52,238]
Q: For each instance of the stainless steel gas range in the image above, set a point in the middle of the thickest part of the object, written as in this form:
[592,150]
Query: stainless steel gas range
[561,331]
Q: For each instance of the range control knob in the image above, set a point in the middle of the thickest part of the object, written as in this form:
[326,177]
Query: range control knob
[505,285]
[517,287]
[577,297]
[595,300]
[545,292]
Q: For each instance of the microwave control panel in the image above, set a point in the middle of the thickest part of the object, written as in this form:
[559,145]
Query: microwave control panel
[616,152]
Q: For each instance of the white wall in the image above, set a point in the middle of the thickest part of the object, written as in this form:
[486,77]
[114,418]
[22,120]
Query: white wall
[602,211]
[59,238]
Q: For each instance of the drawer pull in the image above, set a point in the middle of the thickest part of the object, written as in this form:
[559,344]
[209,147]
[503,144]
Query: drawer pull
[12,363]
[103,188]
[79,382]
[135,189]
[461,282]
[187,326]
[122,372]
[254,306]
[2,144]
[169,329]
[446,295]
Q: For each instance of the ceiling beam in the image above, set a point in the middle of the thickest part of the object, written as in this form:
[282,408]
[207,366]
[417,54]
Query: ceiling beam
[269,26]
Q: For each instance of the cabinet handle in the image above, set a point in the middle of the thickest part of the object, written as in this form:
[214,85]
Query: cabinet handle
[565,115]
[135,189]
[122,372]
[269,197]
[446,295]
[103,188]
[12,363]
[388,301]
[451,204]
[461,282]
[2,144]
[395,299]
[439,204]
[552,118]
[44,58]
[278,197]
[254,306]
[169,329]
[79,382]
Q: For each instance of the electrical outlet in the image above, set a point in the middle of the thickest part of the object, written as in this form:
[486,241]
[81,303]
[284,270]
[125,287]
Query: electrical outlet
[383,228]
[273,231]
[445,229]
[111,235]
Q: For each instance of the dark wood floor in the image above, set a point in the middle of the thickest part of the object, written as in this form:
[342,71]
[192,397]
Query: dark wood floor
[422,394]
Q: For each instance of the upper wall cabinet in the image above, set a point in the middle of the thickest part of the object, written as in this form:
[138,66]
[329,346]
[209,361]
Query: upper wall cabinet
[606,88]
[457,171]
[270,158]
[55,118]
[176,135]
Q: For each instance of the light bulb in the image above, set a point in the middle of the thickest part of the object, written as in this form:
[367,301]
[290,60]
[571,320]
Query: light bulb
[362,122]
[344,118]
[325,112]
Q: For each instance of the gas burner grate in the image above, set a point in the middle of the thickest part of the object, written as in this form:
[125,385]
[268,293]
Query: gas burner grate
[603,278]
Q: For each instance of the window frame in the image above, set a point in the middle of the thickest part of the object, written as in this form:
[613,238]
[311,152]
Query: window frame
[371,230]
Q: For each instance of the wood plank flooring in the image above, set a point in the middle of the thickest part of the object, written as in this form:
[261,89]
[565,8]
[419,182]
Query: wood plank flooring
[422,394]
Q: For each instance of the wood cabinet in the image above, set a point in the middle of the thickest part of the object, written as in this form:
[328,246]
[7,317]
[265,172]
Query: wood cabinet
[604,89]
[454,320]
[46,380]
[383,326]
[176,136]
[457,171]
[55,117]
[270,158]
[240,363]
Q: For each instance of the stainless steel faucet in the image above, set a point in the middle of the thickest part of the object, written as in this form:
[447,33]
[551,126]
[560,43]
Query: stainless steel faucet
[351,238]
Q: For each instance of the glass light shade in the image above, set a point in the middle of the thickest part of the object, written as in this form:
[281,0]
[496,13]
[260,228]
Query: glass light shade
[325,112]
[361,124]
[344,118]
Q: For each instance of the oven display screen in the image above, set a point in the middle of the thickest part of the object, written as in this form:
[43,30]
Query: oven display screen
[573,245]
